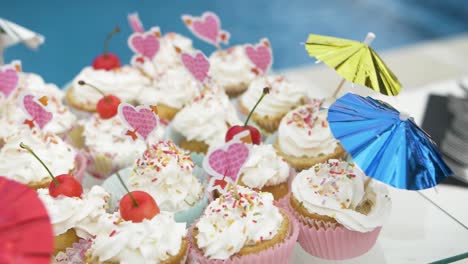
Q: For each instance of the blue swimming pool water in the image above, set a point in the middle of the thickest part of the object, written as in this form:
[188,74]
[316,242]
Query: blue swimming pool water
[75,29]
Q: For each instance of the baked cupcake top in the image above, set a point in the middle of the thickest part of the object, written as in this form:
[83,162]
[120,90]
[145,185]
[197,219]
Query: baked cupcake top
[304,131]
[283,96]
[150,241]
[18,164]
[11,116]
[124,82]
[175,87]
[207,118]
[337,189]
[106,137]
[165,172]
[264,167]
[82,214]
[240,217]
[231,67]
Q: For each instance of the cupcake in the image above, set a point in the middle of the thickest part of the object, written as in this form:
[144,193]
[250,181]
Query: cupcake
[243,226]
[283,96]
[231,69]
[74,218]
[205,121]
[11,117]
[264,170]
[159,240]
[19,165]
[340,210]
[304,138]
[106,147]
[166,173]
[124,82]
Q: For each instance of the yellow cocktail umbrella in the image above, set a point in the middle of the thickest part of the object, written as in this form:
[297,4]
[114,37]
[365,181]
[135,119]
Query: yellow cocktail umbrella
[355,61]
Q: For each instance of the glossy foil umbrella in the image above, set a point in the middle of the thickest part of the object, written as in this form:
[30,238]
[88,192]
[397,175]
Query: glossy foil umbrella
[386,144]
[355,61]
[26,234]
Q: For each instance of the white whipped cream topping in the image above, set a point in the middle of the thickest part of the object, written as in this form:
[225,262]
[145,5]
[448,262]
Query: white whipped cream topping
[125,83]
[233,221]
[207,118]
[264,167]
[231,67]
[283,96]
[304,131]
[150,241]
[107,137]
[175,87]
[165,172]
[337,189]
[18,164]
[12,116]
[81,214]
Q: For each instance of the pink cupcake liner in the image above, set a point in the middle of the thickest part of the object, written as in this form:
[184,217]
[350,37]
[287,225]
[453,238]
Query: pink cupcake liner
[331,241]
[280,253]
[80,170]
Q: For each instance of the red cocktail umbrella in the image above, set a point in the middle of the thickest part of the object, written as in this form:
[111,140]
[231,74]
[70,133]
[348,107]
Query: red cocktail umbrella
[26,235]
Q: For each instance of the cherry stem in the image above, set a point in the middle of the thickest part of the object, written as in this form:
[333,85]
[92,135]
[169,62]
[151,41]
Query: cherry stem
[108,38]
[26,147]
[266,90]
[135,203]
[81,82]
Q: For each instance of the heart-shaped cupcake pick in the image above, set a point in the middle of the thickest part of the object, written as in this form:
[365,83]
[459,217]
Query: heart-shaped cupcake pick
[9,78]
[198,65]
[135,22]
[142,120]
[147,43]
[35,109]
[260,55]
[224,163]
[207,27]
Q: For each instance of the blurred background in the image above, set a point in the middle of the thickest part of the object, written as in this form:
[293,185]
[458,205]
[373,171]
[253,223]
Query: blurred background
[75,30]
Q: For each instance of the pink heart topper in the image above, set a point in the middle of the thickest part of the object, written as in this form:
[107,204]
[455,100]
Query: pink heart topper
[260,55]
[207,28]
[135,23]
[147,43]
[197,65]
[226,161]
[142,120]
[38,114]
[9,80]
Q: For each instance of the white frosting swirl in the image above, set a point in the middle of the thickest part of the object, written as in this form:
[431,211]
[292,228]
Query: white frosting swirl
[239,218]
[125,83]
[283,96]
[81,214]
[12,117]
[207,118]
[264,167]
[304,131]
[18,164]
[336,189]
[231,67]
[165,172]
[107,137]
[150,241]
[175,87]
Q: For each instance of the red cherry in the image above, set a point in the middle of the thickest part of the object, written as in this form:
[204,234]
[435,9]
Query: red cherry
[64,184]
[67,186]
[107,61]
[255,135]
[108,105]
[137,205]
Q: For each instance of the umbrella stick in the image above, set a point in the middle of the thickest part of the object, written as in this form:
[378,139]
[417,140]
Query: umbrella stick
[366,183]
[1,50]
[338,89]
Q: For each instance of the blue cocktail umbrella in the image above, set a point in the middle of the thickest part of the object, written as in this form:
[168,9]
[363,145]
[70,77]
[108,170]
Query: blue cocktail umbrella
[386,144]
